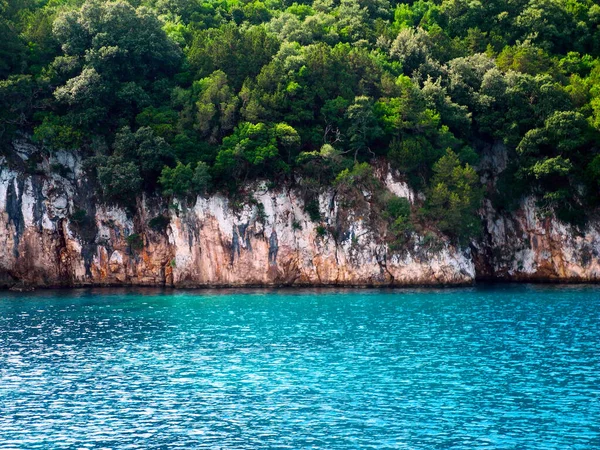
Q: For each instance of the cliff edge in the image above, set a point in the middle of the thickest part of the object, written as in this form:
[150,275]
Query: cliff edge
[54,232]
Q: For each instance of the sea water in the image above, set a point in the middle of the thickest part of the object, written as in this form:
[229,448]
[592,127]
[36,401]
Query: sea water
[512,366]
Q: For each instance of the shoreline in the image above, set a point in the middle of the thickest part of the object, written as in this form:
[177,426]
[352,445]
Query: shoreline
[291,287]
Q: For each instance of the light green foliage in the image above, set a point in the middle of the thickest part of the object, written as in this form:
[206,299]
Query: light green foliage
[350,182]
[287,139]
[526,59]
[322,165]
[412,47]
[177,181]
[251,150]
[551,167]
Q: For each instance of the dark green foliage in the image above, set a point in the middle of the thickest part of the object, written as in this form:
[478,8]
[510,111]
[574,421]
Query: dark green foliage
[112,70]
[398,207]
[56,133]
[554,159]
[162,121]
[592,173]
[239,53]
[12,48]
[61,170]
[398,212]
[135,241]
[321,231]
[18,101]
[510,189]
[363,129]
[120,179]
[312,208]
[202,179]
[148,152]
[454,197]
[261,215]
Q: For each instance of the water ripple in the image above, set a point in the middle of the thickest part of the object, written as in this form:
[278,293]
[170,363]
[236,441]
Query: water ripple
[502,367]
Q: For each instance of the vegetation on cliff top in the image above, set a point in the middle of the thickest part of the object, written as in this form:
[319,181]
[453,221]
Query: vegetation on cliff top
[184,96]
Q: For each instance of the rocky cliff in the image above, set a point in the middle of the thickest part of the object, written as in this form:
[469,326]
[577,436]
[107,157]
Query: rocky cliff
[53,232]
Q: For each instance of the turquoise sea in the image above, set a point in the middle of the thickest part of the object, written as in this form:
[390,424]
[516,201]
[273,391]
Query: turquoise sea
[508,366]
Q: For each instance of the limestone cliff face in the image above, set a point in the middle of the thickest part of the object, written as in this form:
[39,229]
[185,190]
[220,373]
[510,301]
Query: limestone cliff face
[47,240]
[526,246]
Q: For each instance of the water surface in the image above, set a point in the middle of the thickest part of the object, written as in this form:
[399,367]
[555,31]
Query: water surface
[492,366]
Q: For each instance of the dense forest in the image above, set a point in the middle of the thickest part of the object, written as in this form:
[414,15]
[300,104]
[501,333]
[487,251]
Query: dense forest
[187,97]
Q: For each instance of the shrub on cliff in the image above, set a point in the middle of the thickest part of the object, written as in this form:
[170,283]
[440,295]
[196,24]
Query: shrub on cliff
[120,179]
[398,213]
[184,181]
[453,198]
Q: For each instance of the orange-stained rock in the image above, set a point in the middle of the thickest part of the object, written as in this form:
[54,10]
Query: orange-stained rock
[211,243]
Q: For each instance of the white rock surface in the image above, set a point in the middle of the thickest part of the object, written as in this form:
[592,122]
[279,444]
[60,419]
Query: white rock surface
[210,243]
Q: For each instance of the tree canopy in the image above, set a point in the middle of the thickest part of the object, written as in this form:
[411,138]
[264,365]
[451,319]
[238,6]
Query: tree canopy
[182,96]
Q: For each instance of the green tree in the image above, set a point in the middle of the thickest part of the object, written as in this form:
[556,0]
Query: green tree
[453,198]
[239,53]
[115,70]
[12,49]
[412,47]
[250,151]
[184,181]
[148,152]
[364,128]
[217,107]
[120,179]
[19,99]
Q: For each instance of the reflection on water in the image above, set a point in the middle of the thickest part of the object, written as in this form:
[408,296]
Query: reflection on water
[493,366]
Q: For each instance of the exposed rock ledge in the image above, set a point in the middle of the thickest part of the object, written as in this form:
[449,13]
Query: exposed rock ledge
[212,244]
